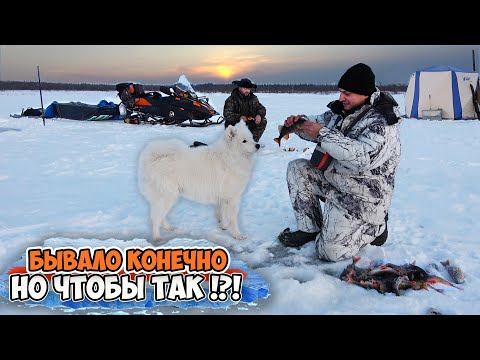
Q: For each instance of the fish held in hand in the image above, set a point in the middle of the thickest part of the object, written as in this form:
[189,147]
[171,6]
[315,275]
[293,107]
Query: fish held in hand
[285,131]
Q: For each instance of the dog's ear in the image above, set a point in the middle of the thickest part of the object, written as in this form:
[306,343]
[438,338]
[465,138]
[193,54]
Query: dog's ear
[230,132]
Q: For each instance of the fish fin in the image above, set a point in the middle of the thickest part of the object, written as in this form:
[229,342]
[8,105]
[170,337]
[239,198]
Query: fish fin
[280,127]
[277,140]
[445,263]
[438,279]
[286,137]
[453,285]
[437,290]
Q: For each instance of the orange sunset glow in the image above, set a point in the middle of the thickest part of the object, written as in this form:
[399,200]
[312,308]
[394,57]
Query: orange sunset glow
[224,71]
[163,64]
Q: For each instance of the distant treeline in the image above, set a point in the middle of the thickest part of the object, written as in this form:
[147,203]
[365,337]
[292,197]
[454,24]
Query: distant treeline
[201,88]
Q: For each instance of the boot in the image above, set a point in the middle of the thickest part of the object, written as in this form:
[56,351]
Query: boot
[296,238]
[380,239]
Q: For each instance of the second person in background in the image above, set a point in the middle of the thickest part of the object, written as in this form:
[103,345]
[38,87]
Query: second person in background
[243,105]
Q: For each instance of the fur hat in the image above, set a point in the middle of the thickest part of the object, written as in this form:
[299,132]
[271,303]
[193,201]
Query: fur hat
[359,79]
[246,83]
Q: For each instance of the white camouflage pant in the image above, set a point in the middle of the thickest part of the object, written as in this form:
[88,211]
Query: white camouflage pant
[340,235]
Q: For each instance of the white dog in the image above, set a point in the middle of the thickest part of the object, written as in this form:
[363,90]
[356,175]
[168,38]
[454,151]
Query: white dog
[214,174]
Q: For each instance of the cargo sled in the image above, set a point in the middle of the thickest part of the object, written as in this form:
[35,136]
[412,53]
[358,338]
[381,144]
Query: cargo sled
[179,105]
[104,110]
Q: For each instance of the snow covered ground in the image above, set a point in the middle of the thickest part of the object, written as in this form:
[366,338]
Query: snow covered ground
[77,180]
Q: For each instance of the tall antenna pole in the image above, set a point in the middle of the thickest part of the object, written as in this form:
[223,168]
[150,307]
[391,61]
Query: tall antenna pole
[473,58]
[40,88]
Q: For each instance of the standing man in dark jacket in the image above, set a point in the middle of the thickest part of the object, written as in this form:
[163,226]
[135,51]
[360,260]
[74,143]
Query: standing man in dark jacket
[243,105]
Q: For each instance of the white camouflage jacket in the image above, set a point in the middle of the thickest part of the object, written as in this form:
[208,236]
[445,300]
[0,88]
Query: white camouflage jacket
[361,178]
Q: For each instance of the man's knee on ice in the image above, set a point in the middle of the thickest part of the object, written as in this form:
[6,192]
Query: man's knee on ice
[329,251]
[297,164]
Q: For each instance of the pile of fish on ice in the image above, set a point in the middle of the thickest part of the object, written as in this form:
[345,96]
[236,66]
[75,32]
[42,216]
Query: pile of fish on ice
[391,278]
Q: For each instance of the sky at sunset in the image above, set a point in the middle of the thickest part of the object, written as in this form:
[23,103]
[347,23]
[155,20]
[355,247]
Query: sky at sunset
[221,64]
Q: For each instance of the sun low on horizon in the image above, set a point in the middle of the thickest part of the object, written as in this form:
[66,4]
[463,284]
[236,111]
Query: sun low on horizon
[224,71]
[219,72]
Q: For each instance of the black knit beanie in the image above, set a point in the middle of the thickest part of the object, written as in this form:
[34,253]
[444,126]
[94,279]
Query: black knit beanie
[359,79]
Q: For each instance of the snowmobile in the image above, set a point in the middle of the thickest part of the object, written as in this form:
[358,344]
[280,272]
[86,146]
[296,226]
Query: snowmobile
[181,106]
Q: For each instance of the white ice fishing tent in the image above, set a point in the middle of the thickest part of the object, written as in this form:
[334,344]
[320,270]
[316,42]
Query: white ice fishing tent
[441,92]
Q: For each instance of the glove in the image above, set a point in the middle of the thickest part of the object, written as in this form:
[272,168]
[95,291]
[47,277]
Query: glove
[336,106]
